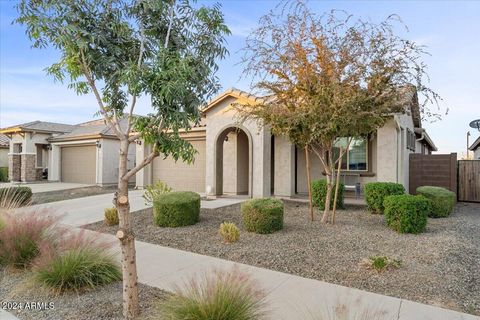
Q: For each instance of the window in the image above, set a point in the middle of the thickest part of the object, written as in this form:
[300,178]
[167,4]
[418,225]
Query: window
[411,140]
[356,158]
[39,155]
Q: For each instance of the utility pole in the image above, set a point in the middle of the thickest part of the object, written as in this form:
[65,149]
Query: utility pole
[468,144]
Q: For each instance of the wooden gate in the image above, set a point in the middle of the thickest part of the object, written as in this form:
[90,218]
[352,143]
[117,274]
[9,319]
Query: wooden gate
[469,180]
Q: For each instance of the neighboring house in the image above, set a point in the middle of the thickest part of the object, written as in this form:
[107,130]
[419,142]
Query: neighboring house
[85,153]
[4,149]
[246,159]
[475,147]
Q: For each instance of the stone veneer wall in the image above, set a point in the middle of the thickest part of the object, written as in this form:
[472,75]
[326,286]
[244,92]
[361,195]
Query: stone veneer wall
[29,170]
[39,174]
[14,167]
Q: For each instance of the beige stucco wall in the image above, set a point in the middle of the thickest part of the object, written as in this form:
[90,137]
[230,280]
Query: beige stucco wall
[284,167]
[222,117]
[387,150]
[17,138]
[108,161]
[31,139]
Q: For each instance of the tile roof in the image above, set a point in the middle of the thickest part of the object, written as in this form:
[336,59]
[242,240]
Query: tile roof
[90,128]
[42,126]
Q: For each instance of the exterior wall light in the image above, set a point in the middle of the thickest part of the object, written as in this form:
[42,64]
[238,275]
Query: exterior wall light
[98,144]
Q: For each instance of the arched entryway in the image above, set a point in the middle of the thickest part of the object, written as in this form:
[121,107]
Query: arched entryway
[233,162]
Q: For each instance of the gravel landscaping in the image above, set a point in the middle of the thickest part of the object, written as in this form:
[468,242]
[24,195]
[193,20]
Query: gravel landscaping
[439,267]
[101,303]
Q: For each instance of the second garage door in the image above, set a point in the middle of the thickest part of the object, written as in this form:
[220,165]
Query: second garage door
[180,175]
[79,164]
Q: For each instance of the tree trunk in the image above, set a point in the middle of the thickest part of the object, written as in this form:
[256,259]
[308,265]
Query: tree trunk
[337,183]
[328,198]
[309,183]
[127,240]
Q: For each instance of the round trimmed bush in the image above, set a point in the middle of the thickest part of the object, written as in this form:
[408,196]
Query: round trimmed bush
[319,194]
[176,209]
[262,215]
[406,213]
[375,193]
[442,200]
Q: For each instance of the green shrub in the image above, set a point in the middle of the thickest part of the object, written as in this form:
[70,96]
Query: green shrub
[153,191]
[111,216]
[442,200]
[219,296]
[15,196]
[77,263]
[319,194]
[406,213]
[375,193]
[262,215]
[176,209]
[3,174]
[381,263]
[229,232]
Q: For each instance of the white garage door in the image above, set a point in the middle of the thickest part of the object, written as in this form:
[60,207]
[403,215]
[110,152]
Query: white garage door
[79,164]
[180,175]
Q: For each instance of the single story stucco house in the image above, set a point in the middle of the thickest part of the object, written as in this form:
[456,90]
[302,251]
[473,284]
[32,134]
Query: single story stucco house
[475,147]
[246,159]
[85,153]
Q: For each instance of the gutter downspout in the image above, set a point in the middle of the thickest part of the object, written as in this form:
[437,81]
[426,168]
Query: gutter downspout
[422,137]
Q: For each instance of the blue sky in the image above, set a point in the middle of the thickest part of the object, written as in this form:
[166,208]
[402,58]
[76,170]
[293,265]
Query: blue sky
[450,29]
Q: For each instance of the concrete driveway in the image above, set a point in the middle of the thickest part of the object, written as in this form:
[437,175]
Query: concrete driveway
[46,186]
[80,211]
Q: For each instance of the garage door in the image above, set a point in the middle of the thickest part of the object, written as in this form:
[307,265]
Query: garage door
[79,164]
[182,176]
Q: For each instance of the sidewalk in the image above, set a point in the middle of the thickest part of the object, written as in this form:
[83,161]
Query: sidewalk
[289,297]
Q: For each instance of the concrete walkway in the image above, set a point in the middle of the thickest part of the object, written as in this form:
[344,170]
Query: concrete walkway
[46,186]
[289,297]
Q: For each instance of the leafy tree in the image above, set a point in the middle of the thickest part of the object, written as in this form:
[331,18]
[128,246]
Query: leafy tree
[120,50]
[331,76]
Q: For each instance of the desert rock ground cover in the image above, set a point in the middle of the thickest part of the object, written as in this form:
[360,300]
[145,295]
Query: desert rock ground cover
[439,267]
[103,302]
